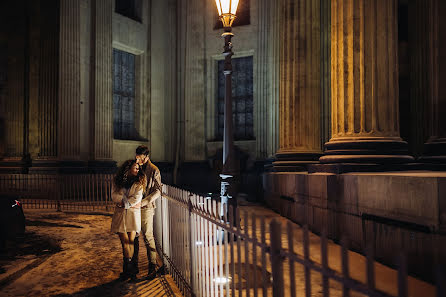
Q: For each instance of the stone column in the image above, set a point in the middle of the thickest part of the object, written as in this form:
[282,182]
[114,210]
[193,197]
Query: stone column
[14,94]
[69,83]
[325,70]
[267,61]
[48,82]
[364,84]
[194,92]
[299,91]
[435,51]
[102,102]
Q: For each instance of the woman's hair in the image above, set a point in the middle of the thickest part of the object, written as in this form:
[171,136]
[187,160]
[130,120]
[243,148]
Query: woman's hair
[123,177]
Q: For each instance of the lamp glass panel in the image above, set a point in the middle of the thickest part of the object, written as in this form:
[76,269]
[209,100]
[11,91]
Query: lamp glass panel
[217,2]
[225,6]
[234,4]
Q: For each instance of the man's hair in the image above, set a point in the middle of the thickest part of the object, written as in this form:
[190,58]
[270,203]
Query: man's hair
[142,150]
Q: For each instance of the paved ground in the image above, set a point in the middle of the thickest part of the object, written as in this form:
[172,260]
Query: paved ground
[72,254]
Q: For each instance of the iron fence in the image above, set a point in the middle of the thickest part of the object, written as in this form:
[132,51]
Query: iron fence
[80,192]
[246,255]
[239,254]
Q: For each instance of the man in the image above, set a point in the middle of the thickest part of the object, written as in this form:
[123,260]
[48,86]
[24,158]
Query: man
[151,193]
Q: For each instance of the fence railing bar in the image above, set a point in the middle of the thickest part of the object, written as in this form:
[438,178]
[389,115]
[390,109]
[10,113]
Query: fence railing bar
[203,253]
[276,258]
[247,270]
[291,262]
[181,231]
[206,240]
[254,253]
[231,241]
[215,236]
[226,255]
[440,281]
[220,234]
[206,256]
[324,258]
[239,252]
[211,251]
[402,275]
[265,281]
[345,268]
[370,267]
[306,244]
[192,246]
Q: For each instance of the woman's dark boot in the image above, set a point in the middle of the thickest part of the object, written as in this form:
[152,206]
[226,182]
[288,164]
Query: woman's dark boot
[124,275]
[132,269]
[136,254]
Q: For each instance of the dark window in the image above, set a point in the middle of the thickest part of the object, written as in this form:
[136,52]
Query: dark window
[124,95]
[242,99]
[129,8]
[243,15]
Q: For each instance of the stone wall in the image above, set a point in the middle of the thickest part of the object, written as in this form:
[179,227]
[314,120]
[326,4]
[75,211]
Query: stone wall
[391,211]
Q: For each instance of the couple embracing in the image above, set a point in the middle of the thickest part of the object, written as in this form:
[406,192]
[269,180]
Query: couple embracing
[135,188]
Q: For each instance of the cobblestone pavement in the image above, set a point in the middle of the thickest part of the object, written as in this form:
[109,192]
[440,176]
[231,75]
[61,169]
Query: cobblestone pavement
[72,254]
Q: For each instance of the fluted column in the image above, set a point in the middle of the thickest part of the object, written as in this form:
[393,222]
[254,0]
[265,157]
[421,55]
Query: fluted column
[194,96]
[325,70]
[102,136]
[435,58]
[14,115]
[48,82]
[364,84]
[299,91]
[267,61]
[69,81]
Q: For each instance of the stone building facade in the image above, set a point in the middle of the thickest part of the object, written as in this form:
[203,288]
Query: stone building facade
[340,104]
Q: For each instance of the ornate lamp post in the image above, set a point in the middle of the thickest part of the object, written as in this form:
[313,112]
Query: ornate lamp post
[226,11]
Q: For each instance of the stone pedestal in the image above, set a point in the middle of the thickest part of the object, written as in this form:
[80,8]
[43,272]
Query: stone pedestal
[364,84]
[299,89]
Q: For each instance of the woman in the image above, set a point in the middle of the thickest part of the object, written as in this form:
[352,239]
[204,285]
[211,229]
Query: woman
[127,191]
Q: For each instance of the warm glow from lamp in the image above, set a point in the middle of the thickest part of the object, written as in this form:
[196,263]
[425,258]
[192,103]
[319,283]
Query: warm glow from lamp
[226,11]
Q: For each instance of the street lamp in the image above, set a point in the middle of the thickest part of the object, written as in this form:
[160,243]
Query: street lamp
[226,11]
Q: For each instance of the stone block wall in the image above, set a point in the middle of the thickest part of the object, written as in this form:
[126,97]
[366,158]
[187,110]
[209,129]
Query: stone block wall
[390,211]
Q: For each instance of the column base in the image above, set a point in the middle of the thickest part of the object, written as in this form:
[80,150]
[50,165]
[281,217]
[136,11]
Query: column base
[73,167]
[14,166]
[108,166]
[339,168]
[53,166]
[367,151]
[294,161]
[44,166]
[434,153]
